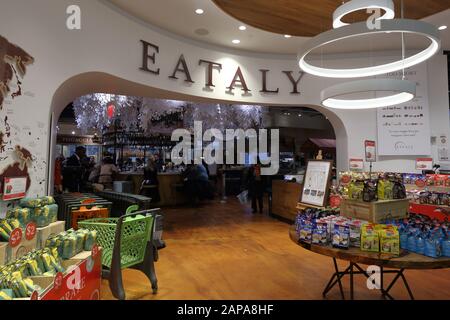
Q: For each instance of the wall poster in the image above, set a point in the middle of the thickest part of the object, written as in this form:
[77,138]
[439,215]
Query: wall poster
[405,129]
[316,184]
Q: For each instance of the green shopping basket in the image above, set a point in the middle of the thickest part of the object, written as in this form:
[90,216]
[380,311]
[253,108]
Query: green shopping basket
[136,232]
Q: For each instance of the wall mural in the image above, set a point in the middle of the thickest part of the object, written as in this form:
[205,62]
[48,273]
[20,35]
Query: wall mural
[13,66]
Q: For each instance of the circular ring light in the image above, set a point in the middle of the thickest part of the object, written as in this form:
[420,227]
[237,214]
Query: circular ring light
[360,29]
[404,91]
[355,5]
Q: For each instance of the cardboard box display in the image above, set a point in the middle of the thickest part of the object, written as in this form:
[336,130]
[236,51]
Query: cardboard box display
[21,249]
[46,232]
[47,282]
[374,212]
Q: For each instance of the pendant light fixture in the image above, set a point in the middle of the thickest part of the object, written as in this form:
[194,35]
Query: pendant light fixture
[360,29]
[352,6]
[400,91]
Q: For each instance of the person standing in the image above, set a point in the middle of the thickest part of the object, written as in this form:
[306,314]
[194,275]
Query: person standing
[150,184]
[73,171]
[58,174]
[256,188]
[108,170]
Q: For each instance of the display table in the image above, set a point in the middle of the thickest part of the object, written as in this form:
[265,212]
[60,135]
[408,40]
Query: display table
[406,260]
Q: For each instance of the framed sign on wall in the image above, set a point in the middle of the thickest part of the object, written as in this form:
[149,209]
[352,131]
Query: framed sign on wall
[316,185]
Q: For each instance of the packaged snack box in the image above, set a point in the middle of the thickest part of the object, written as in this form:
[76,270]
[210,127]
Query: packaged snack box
[341,236]
[390,240]
[355,233]
[305,234]
[370,240]
[320,233]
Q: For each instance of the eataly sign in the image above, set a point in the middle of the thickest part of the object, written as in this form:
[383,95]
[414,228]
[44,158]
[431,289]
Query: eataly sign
[149,57]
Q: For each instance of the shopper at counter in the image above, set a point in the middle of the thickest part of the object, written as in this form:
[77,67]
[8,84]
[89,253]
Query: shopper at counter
[196,183]
[107,172]
[149,186]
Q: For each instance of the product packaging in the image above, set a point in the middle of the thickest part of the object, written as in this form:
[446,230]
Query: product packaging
[390,240]
[370,240]
[341,236]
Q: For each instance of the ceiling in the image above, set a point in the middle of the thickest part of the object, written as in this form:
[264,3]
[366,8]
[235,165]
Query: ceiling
[216,27]
[309,18]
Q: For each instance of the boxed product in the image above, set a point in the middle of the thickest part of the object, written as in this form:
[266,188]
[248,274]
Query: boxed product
[45,215]
[389,240]
[71,242]
[306,229]
[370,240]
[46,232]
[24,215]
[341,235]
[320,233]
[355,233]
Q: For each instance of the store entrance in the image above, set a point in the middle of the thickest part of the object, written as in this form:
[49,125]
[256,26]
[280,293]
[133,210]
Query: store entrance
[117,143]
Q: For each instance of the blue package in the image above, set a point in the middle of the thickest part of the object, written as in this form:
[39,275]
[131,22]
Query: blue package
[420,244]
[404,240]
[445,245]
[411,243]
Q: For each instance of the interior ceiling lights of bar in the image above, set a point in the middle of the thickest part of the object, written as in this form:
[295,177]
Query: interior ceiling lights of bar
[401,89]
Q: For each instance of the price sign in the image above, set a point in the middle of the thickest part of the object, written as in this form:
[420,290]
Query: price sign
[335,201]
[95,250]
[356,164]
[370,151]
[420,183]
[14,188]
[424,164]
[57,283]
[346,179]
[30,231]
[15,238]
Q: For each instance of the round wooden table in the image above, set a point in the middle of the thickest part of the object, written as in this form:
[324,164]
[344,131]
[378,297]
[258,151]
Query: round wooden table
[355,256]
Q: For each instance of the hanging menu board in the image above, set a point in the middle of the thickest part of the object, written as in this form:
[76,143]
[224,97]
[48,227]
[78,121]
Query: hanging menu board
[405,129]
[316,185]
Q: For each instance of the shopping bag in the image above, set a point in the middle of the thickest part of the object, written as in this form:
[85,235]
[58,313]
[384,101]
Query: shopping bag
[243,197]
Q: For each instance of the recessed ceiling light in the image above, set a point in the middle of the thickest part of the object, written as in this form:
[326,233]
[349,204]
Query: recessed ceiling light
[299,114]
[236,41]
[442,28]
[242,28]
[199,11]
[287,36]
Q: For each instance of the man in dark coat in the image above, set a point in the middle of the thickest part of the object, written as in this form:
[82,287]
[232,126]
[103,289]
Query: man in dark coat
[73,171]
[256,187]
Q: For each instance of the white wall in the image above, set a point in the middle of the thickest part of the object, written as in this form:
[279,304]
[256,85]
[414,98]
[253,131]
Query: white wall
[105,55]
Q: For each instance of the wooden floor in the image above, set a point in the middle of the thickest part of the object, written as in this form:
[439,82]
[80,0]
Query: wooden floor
[223,251]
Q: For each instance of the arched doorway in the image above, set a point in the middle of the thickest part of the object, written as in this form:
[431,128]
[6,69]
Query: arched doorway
[93,82]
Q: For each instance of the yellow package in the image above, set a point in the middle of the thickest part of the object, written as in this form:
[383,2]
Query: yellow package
[370,240]
[381,187]
[390,240]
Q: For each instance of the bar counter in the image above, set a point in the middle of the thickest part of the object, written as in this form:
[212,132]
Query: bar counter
[285,196]
[168,183]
